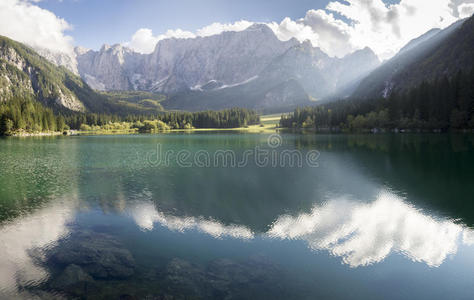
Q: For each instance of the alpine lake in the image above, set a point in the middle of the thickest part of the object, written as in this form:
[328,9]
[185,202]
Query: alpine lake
[237,215]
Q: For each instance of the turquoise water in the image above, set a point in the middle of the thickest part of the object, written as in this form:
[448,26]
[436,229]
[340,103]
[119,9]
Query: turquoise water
[354,216]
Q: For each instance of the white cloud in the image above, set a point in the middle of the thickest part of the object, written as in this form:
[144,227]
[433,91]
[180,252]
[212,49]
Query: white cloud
[319,27]
[216,28]
[466,10]
[384,28]
[288,29]
[364,234]
[143,40]
[25,22]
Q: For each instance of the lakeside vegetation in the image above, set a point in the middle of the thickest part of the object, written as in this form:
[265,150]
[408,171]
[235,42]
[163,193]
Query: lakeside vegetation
[19,116]
[447,103]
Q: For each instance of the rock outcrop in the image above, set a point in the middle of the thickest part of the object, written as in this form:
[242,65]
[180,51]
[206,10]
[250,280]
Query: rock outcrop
[24,74]
[99,255]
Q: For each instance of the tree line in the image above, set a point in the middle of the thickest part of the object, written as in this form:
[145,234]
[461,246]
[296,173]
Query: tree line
[25,114]
[228,118]
[446,103]
[28,115]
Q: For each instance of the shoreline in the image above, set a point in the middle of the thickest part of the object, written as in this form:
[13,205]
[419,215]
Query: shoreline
[252,129]
[32,134]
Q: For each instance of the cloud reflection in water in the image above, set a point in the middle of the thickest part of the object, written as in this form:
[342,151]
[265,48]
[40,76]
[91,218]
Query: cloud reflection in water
[360,233]
[40,230]
[364,234]
[145,215]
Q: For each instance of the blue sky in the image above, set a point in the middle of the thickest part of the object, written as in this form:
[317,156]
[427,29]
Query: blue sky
[338,27]
[114,21]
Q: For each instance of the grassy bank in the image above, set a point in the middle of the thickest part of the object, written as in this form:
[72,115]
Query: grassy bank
[268,124]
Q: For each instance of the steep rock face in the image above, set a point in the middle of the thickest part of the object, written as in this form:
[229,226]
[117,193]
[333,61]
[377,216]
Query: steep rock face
[183,64]
[230,57]
[13,81]
[24,74]
[63,59]
[108,69]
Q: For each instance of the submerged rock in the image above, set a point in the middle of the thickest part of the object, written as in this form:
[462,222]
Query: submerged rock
[184,278]
[99,255]
[220,279]
[40,295]
[73,280]
[237,279]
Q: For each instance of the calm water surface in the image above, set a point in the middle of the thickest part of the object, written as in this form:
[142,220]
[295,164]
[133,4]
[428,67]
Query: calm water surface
[379,216]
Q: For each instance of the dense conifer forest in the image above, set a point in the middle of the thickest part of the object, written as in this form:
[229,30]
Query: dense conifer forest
[446,103]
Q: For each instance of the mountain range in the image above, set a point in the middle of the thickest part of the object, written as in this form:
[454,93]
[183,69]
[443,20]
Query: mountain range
[250,68]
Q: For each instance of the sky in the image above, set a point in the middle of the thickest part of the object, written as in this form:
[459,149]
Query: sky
[338,27]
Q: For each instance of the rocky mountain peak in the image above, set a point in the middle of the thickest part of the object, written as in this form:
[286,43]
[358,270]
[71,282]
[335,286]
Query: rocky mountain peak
[104,47]
[81,50]
[259,27]
[365,54]
[307,44]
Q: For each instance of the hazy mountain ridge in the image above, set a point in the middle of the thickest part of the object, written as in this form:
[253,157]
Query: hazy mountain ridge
[321,75]
[417,41]
[435,54]
[296,78]
[302,74]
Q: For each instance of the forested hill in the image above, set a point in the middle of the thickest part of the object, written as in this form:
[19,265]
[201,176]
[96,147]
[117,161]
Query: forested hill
[446,103]
[443,53]
[27,76]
